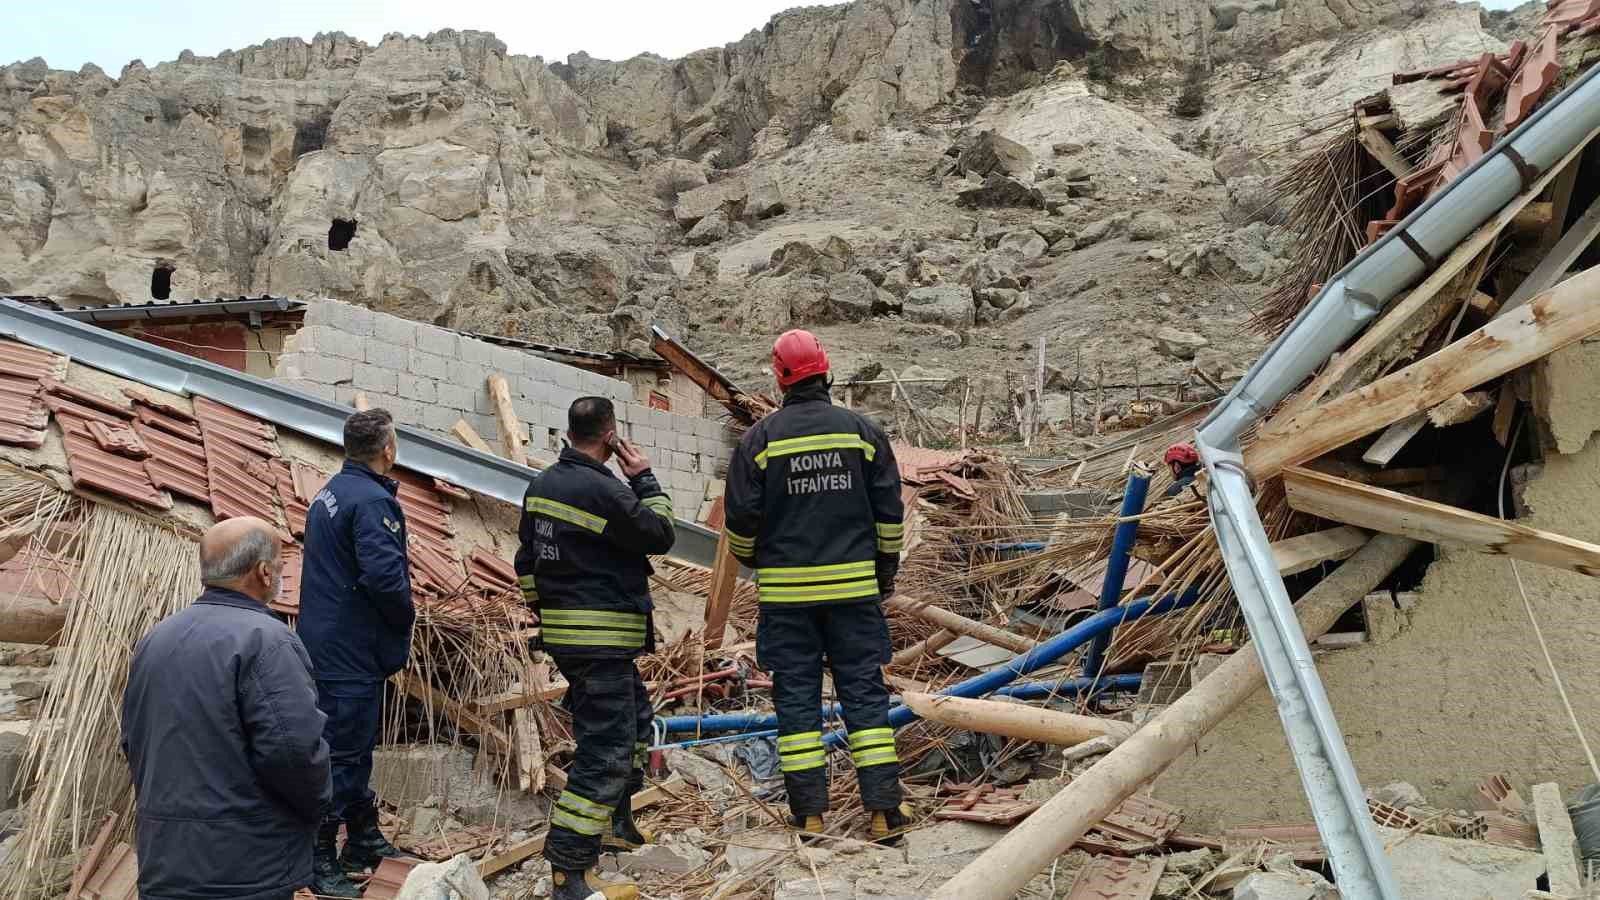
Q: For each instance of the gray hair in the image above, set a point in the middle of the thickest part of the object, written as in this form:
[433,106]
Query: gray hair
[252,548]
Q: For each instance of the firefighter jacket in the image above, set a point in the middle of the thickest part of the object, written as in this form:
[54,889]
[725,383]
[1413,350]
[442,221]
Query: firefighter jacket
[813,504]
[584,559]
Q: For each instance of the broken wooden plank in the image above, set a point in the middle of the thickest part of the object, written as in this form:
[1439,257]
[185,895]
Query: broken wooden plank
[1299,554]
[91,860]
[466,434]
[1560,258]
[463,715]
[1353,503]
[1398,317]
[1382,150]
[1558,840]
[959,624]
[518,699]
[512,431]
[1563,315]
[724,583]
[1015,720]
[1534,220]
[530,751]
[1460,409]
[360,401]
[1394,439]
[941,638]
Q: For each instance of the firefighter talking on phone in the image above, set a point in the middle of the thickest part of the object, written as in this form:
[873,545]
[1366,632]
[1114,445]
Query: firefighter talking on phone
[584,566]
[814,507]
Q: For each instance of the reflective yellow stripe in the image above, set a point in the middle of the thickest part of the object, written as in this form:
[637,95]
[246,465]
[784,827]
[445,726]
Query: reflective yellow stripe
[891,529]
[632,621]
[845,587]
[593,638]
[804,739]
[556,510]
[563,818]
[810,443]
[818,573]
[525,582]
[799,762]
[878,757]
[891,546]
[659,503]
[739,544]
[870,735]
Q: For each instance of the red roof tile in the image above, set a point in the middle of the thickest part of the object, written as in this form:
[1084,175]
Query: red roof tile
[176,464]
[119,439]
[140,398]
[84,398]
[21,361]
[235,490]
[388,878]
[34,573]
[169,424]
[288,599]
[96,469]
[294,509]
[308,480]
[450,490]
[63,406]
[23,417]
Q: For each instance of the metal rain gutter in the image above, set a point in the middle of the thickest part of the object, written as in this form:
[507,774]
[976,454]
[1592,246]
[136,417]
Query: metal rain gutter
[1344,307]
[159,311]
[177,373]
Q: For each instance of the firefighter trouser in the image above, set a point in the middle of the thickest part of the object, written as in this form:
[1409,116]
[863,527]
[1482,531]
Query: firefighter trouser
[854,639]
[611,716]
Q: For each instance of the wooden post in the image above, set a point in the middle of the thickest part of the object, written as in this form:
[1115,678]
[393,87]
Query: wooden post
[1099,395]
[941,638]
[961,424]
[530,752]
[466,434]
[724,579]
[360,401]
[511,427]
[1032,846]
[1015,720]
[1038,395]
[959,624]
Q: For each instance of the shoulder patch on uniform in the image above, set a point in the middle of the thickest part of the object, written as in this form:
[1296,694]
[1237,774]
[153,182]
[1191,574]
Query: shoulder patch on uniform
[391,524]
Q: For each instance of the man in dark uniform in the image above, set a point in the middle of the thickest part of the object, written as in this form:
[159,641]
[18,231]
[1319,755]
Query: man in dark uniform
[223,736]
[355,621]
[586,542]
[813,506]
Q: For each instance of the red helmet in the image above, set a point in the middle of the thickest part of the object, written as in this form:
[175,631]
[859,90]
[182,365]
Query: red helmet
[796,356]
[1182,453]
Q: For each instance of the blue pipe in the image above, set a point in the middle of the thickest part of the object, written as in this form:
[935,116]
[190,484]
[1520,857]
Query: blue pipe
[745,721]
[1045,654]
[1117,566]
[725,739]
[1038,690]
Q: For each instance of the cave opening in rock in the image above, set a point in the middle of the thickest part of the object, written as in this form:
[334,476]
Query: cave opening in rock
[161,281]
[340,233]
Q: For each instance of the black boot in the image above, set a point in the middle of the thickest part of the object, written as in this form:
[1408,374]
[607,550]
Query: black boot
[570,885]
[364,845]
[889,824]
[327,878]
[625,833]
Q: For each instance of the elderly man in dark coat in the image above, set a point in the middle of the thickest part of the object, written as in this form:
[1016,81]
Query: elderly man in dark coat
[223,735]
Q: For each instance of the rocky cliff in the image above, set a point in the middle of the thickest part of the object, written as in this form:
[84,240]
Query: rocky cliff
[448,180]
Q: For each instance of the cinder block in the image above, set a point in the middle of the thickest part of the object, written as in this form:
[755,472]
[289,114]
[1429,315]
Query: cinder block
[327,369]
[552,418]
[537,366]
[289,365]
[427,365]
[505,360]
[482,402]
[439,418]
[329,341]
[569,378]
[705,428]
[406,412]
[486,426]
[532,388]
[644,435]
[390,356]
[376,378]
[455,397]
[438,341]
[527,411]
[468,373]
[350,319]
[561,398]
[422,390]
[394,331]
[345,394]
[318,312]
[661,420]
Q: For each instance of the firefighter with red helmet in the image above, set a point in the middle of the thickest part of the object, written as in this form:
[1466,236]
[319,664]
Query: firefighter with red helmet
[1184,461]
[814,508]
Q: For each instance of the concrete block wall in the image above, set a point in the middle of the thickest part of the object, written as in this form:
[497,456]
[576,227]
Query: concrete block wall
[429,377]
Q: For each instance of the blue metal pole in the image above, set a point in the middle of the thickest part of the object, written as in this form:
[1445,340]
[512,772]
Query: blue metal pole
[1038,690]
[1117,566]
[734,721]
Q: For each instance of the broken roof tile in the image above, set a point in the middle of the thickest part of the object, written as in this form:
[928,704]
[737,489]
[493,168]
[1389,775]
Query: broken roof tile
[168,423]
[85,398]
[23,417]
[95,469]
[119,439]
[141,398]
[294,509]
[22,361]
[65,406]
[450,490]
[211,412]
[288,599]
[308,480]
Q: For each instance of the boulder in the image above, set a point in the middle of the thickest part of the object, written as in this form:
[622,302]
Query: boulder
[799,257]
[709,230]
[852,297]
[1024,243]
[990,154]
[1151,226]
[862,109]
[808,300]
[663,859]
[947,305]
[670,178]
[1253,198]
[1219,366]
[1066,148]
[1180,344]
[1052,232]
[1103,229]
[728,195]
[1236,163]
[766,196]
[1000,298]
[1276,886]
[699,771]
[1001,190]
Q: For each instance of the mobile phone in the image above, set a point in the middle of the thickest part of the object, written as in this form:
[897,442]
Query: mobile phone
[615,444]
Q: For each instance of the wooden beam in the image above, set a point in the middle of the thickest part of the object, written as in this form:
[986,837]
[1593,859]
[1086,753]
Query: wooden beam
[1299,554]
[941,638]
[1398,317]
[32,619]
[1062,821]
[1558,841]
[1394,439]
[530,751]
[1563,315]
[959,624]
[469,436]
[519,699]
[724,582]
[1505,411]
[511,428]
[1382,150]
[1534,220]
[464,716]
[1560,258]
[1353,503]
[1014,720]
[360,401]
[1561,202]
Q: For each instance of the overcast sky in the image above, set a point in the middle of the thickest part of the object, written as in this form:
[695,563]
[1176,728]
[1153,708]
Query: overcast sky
[110,33]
